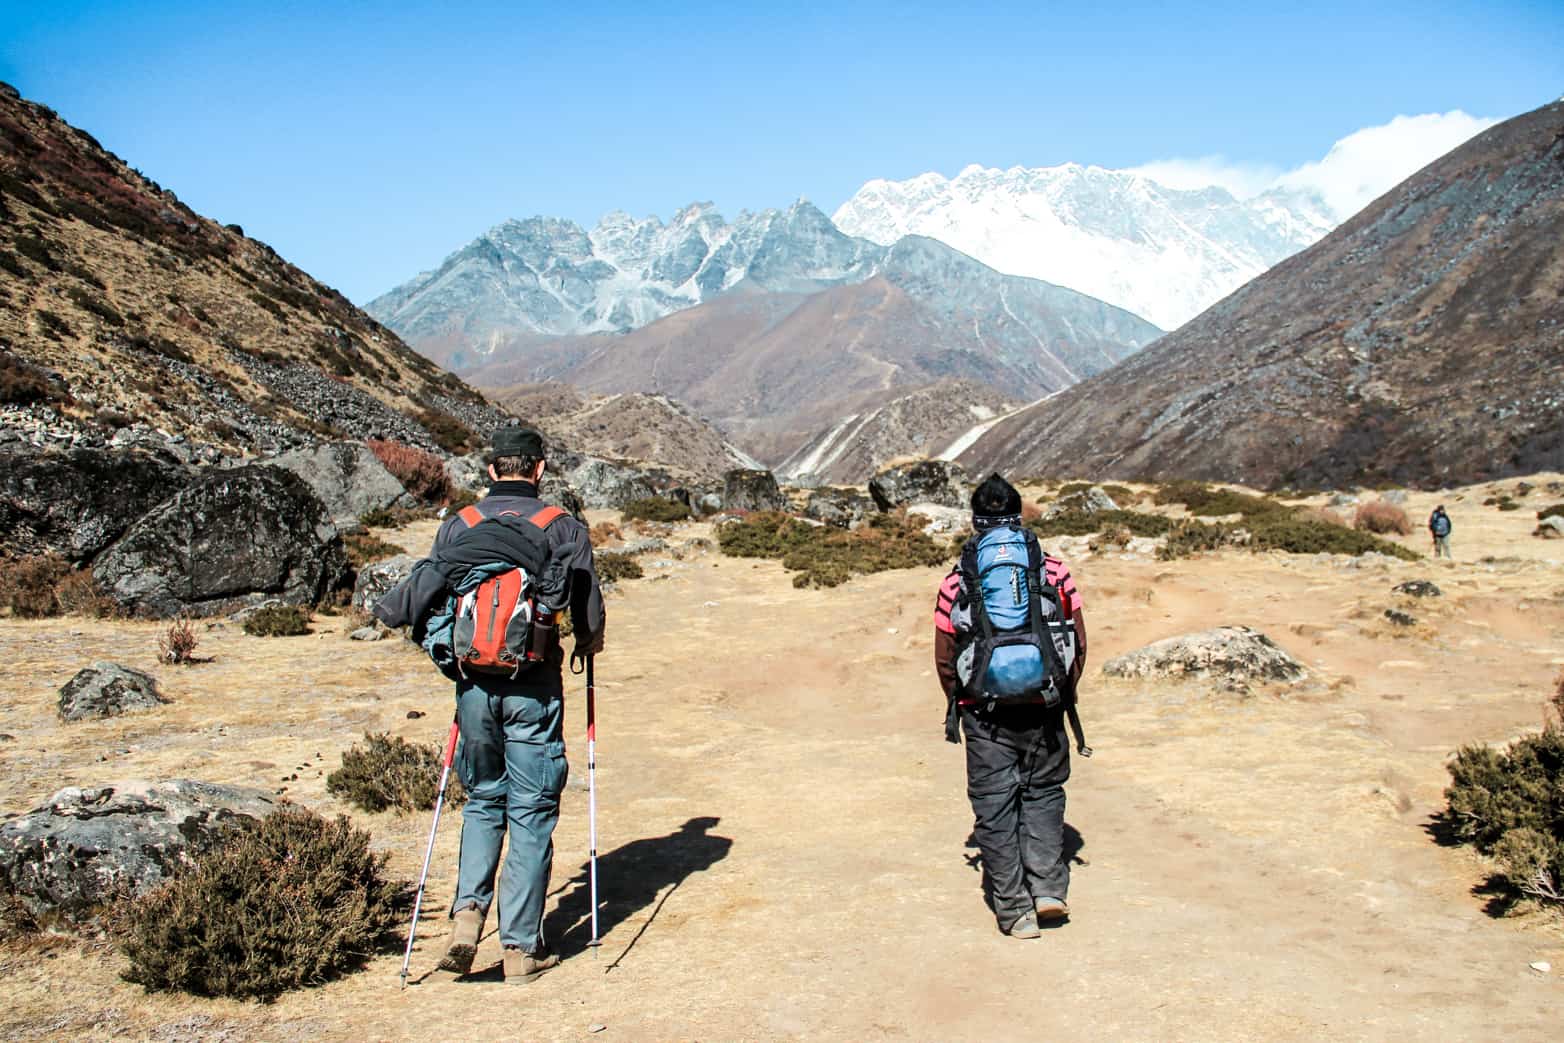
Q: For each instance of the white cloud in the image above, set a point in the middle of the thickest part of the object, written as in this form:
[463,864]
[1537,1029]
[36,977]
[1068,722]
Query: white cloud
[1357,169]
[1365,164]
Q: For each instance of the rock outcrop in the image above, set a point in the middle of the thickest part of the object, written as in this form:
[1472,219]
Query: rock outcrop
[746,489]
[233,538]
[841,508]
[607,486]
[1087,501]
[107,689]
[87,847]
[927,481]
[1233,656]
[77,502]
[376,579]
[347,476]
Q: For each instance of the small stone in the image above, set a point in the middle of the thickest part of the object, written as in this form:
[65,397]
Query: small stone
[600,1028]
[413,715]
[369,633]
[1417,588]
[1399,618]
[1542,967]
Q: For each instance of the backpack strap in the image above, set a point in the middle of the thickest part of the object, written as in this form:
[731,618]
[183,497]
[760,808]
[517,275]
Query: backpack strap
[471,515]
[547,516]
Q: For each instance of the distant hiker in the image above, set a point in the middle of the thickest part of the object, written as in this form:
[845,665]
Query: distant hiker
[483,605]
[1439,526]
[1009,645]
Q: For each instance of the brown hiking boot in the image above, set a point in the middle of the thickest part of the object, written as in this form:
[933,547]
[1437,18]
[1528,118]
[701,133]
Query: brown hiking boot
[464,941]
[522,967]
[1052,909]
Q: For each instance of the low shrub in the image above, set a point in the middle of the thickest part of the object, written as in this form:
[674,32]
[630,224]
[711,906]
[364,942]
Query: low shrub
[448,432]
[656,509]
[605,532]
[1503,502]
[1205,502]
[1190,537]
[78,593]
[460,498]
[278,621]
[1555,511]
[22,383]
[421,473]
[1083,523]
[29,586]
[295,901]
[1381,517]
[1298,534]
[1509,804]
[611,568]
[387,771]
[178,643]
[366,547]
[825,556]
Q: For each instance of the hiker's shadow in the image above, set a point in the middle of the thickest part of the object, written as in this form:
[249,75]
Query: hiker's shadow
[643,873]
[1073,844]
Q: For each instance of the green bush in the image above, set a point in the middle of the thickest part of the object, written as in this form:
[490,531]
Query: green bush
[1191,537]
[1205,502]
[656,509]
[278,621]
[1510,804]
[611,568]
[1082,523]
[387,771]
[1298,534]
[293,902]
[364,548]
[824,556]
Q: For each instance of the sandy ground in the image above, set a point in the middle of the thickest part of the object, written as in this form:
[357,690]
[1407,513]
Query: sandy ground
[783,829]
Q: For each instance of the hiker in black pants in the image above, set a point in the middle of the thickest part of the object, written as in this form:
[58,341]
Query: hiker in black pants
[1018,757]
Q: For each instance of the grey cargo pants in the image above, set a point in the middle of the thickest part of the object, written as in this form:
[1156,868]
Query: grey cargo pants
[512,762]
[1018,761]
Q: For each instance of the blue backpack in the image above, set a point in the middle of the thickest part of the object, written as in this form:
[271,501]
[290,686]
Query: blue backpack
[1020,647]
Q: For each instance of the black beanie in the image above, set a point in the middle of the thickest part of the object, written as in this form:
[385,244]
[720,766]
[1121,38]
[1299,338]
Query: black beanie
[996,498]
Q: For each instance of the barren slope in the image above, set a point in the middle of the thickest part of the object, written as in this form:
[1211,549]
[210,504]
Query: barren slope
[1422,342]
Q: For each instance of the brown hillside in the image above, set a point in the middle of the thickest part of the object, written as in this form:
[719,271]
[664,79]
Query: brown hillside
[1421,343]
[119,304]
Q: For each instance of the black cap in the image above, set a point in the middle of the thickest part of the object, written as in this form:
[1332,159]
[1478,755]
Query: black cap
[995,498]
[514,440]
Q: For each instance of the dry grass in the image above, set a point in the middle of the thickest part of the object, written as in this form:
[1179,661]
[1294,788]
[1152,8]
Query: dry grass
[1382,518]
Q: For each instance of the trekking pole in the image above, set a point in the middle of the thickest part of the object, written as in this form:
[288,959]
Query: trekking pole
[592,797]
[439,802]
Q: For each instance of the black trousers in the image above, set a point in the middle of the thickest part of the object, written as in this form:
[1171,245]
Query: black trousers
[1018,761]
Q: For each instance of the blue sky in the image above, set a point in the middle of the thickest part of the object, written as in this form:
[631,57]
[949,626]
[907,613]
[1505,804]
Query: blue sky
[366,141]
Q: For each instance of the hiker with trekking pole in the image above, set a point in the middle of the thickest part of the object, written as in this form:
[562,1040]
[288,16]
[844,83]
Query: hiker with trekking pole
[1009,646]
[485,605]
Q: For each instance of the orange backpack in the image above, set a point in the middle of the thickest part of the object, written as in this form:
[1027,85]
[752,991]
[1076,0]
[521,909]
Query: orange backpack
[501,628]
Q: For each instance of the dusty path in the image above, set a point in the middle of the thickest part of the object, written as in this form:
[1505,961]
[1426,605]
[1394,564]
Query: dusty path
[782,824]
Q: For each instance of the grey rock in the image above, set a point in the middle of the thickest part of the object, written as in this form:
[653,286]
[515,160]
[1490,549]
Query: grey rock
[1550,528]
[927,481]
[377,578]
[708,503]
[469,472]
[1396,497]
[369,633]
[1234,656]
[234,538]
[606,486]
[745,489]
[841,508]
[107,689]
[1400,618]
[558,493]
[86,847]
[1342,500]
[1417,588]
[1088,501]
[77,502]
[347,476]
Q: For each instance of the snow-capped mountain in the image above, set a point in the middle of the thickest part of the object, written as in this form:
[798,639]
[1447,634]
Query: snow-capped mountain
[550,277]
[1165,254]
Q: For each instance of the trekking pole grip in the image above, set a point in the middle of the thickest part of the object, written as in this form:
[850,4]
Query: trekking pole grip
[450,745]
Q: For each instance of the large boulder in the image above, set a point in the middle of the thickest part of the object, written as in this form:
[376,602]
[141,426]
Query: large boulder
[1233,656]
[558,493]
[77,502]
[347,476]
[842,508]
[607,486]
[1550,528]
[86,847]
[107,689]
[1086,501]
[746,489]
[376,579]
[232,539]
[927,481]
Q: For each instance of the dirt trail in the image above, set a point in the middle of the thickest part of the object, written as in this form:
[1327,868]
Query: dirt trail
[782,825]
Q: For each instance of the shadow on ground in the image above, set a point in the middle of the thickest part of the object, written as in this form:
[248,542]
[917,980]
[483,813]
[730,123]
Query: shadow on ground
[643,873]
